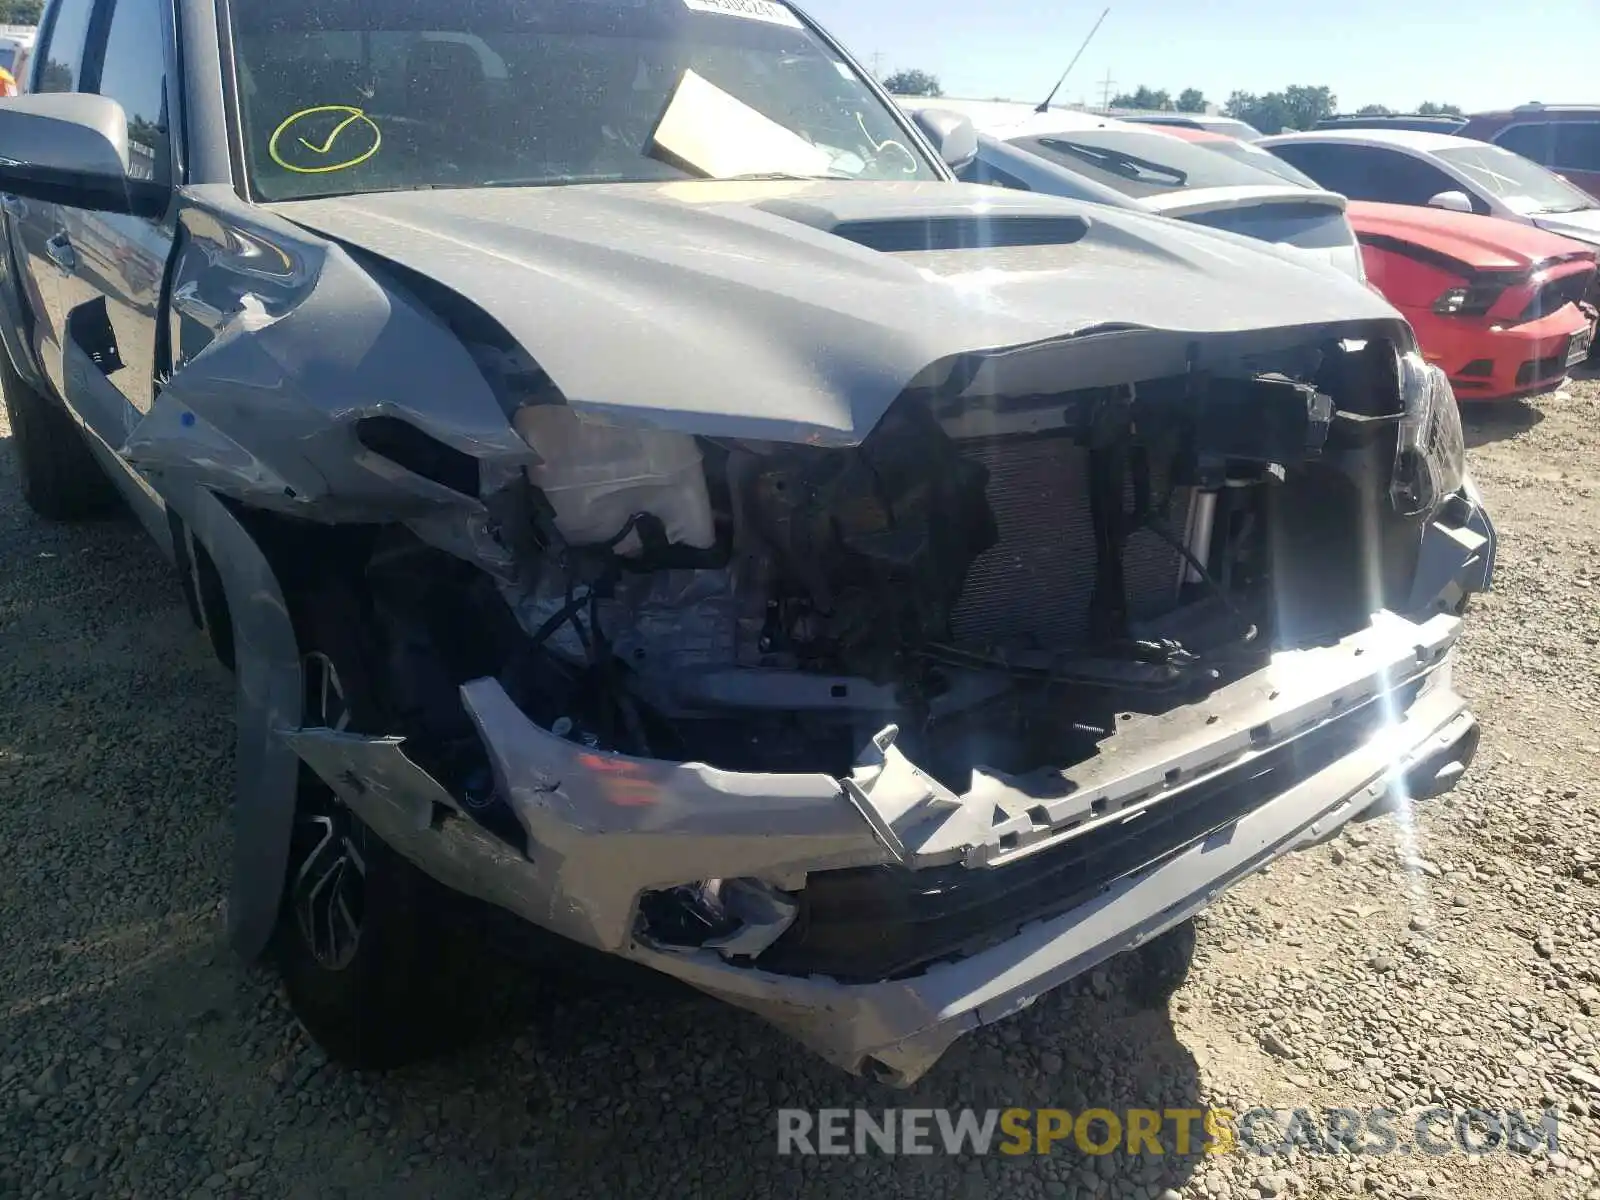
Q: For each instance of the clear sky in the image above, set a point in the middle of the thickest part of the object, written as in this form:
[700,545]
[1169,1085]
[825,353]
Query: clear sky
[1475,53]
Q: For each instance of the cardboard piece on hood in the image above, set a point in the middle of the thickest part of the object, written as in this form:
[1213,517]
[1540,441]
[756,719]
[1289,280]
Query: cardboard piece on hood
[708,131]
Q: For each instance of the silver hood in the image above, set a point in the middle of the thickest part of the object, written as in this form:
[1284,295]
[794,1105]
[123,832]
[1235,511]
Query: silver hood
[800,310]
[1583,225]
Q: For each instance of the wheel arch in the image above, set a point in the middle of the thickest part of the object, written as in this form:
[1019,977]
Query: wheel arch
[257,563]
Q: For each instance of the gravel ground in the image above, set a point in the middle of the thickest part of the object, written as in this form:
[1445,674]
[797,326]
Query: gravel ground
[1451,960]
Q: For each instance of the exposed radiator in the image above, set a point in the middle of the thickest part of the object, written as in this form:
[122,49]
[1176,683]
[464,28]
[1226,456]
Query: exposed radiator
[1033,587]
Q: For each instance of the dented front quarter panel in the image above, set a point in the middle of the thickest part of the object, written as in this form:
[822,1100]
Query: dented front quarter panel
[283,343]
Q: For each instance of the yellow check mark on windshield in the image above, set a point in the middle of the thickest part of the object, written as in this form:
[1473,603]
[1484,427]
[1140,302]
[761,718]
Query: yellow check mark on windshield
[355,115]
[349,115]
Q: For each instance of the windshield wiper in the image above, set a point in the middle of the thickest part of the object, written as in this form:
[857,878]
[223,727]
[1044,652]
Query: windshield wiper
[1118,162]
[1571,208]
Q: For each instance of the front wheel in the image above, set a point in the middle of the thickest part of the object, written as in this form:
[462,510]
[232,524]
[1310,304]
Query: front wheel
[372,963]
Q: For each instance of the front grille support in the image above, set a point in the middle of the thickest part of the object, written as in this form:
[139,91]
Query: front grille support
[1034,587]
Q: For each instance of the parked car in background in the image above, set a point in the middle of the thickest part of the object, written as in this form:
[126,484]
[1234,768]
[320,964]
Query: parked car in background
[1231,126]
[1521,317]
[1240,151]
[1081,155]
[1415,121]
[1562,137]
[1399,166]
[1499,306]
[13,55]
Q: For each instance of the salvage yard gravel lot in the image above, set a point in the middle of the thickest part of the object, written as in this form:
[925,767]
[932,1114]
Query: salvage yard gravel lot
[1452,962]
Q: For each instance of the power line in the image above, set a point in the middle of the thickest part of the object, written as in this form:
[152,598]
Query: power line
[1106,86]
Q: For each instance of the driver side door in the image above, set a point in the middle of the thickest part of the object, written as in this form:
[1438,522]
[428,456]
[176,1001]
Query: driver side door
[38,228]
[113,342]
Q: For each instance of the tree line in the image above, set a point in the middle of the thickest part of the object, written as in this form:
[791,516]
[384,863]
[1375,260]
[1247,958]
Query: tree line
[1190,100]
[1295,107]
[913,83]
[1426,109]
[20,12]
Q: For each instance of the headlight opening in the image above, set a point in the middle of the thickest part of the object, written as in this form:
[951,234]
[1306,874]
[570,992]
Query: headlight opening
[1431,454]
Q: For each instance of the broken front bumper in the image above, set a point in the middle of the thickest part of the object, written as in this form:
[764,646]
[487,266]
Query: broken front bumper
[1272,762]
[605,829]
[896,1030]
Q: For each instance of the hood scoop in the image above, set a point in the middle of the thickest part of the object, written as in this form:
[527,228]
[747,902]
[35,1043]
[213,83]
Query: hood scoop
[966,228]
[962,233]
[672,305]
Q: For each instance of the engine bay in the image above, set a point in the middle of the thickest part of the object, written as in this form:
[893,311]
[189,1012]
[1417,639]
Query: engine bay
[1003,580]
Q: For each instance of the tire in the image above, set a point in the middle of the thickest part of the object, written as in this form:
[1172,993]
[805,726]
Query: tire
[371,950]
[1160,966]
[61,481]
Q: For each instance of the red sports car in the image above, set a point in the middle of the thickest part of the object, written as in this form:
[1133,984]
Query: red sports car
[1499,305]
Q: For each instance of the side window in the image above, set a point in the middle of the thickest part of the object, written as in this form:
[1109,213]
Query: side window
[981,171]
[1535,141]
[60,62]
[1338,168]
[133,73]
[1577,146]
[1372,173]
[1400,179]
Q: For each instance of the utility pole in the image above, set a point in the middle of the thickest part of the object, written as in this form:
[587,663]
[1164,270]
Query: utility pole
[1106,86]
[877,64]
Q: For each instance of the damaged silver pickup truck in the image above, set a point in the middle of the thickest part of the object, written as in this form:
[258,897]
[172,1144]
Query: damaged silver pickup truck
[636,487]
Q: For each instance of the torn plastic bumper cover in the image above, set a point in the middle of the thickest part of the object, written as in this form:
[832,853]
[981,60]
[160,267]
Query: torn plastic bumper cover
[606,830]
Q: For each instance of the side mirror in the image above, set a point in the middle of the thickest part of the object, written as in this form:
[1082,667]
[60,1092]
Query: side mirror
[72,149]
[1452,201]
[954,137]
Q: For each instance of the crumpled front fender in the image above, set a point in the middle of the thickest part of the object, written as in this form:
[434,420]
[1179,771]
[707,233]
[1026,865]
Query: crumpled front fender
[268,699]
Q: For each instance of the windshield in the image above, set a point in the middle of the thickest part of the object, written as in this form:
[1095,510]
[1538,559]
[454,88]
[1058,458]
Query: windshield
[1136,163]
[1522,184]
[342,96]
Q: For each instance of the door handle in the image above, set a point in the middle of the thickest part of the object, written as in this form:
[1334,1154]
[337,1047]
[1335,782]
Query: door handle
[59,251]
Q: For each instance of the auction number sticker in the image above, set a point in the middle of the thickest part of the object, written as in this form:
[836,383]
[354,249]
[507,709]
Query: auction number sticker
[771,11]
